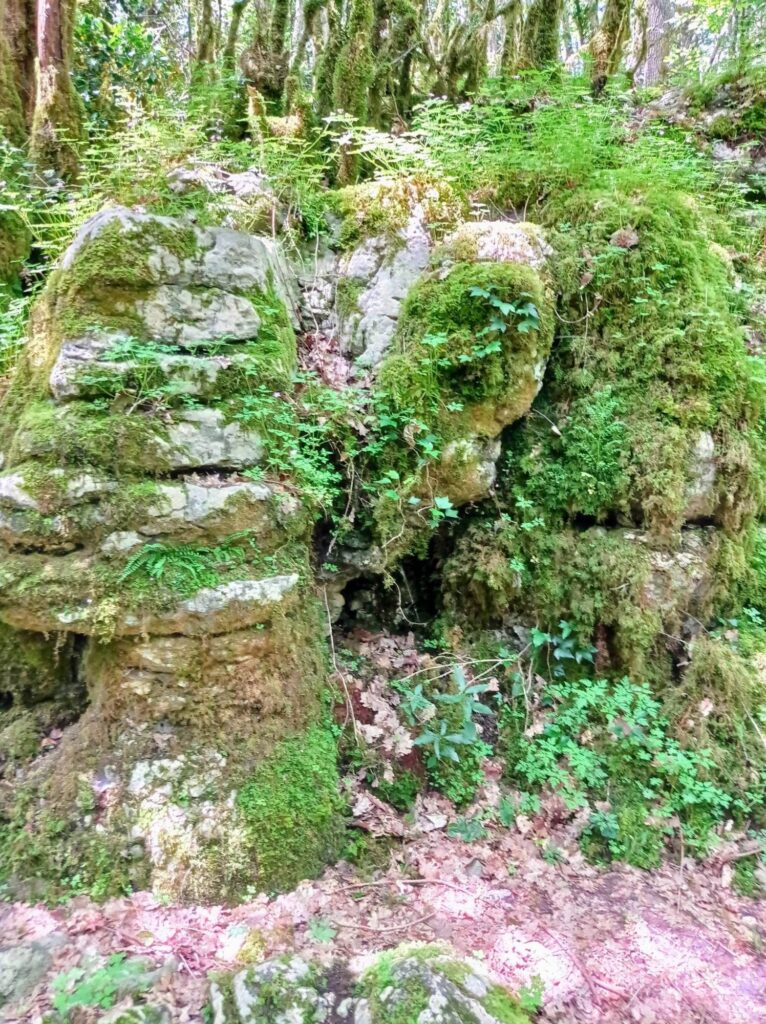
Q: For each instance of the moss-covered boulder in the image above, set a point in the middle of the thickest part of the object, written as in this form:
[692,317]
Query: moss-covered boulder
[413,984]
[138,527]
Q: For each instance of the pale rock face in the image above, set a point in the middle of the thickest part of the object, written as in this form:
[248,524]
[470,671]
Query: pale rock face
[217,609]
[175,837]
[701,491]
[83,487]
[186,318]
[679,578]
[384,269]
[500,241]
[200,438]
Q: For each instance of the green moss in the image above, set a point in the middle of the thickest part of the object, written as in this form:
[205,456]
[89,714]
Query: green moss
[15,241]
[383,206]
[713,707]
[275,352]
[33,668]
[402,792]
[291,809]
[399,986]
[449,369]
[347,294]
[19,737]
[654,357]
[43,856]
[592,578]
[745,881]
[87,436]
[121,255]
[503,1007]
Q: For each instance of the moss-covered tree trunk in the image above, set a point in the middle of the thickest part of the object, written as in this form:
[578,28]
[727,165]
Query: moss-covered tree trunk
[12,118]
[232,36]
[205,54]
[608,43]
[513,20]
[353,75]
[541,39]
[57,121]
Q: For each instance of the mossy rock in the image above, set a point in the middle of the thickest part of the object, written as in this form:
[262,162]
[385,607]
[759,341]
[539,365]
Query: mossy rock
[274,992]
[657,365]
[383,206]
[423,984]
[449,367]
[617,585]
[409,985]
[33,668]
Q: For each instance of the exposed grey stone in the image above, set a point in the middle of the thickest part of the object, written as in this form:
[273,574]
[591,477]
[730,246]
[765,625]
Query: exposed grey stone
[21,968]
[228,606]
[385,269]
[13,492]
[701,491]
[121,541]
[195,504]
[200,438]
[186,318]
[81,488]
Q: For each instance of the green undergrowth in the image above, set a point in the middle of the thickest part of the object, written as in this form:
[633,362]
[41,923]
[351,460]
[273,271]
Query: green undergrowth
[612,746]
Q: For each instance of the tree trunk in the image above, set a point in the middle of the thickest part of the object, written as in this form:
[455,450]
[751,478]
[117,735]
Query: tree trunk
[608,43]
[205,38]
[514,25]
[230,49]
[540,45]
[57,121]
[17,58]
[11,108]
[658,39]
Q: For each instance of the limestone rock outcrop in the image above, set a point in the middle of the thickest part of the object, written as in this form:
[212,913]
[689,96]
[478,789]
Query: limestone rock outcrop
[134,519]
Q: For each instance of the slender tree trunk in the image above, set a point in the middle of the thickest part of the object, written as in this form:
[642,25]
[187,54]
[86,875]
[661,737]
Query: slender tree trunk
[608,43]
[205,38]
[18,21]
[12,122]
[57,121]
[232,36]
[659,14]
[514,25]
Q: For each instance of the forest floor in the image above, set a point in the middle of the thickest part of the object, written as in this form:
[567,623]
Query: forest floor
[608,945]
[601,944]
